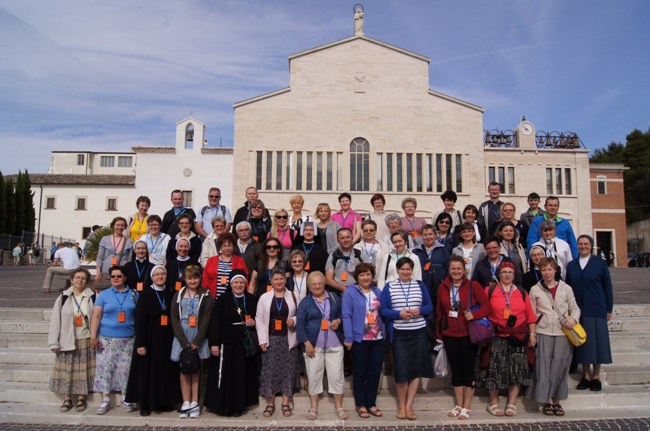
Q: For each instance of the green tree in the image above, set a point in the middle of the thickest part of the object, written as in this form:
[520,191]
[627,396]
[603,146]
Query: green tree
[19,207]
[10,206]
[26,198]
[635,154]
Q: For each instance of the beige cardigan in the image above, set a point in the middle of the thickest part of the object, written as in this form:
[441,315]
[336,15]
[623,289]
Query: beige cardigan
[565,302]
[262,317]
[61,335]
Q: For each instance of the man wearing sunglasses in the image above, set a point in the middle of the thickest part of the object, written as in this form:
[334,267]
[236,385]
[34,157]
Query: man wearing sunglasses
[203,224]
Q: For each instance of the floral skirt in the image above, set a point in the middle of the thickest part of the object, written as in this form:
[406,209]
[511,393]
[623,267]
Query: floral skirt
[280,369]
[113,363]
[74,371]
[508,366]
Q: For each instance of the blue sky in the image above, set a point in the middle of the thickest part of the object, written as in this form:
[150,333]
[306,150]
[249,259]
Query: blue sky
[105,76]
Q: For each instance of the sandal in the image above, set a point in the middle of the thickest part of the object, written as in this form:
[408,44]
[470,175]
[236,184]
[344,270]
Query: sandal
[81,405]
[464,414]
[558,410]
[375,412]
[286,410]
[363,412]
[268,411]
[548,410]
[511,410]
[341,413]
[400,414]
[453,413]
[410,415]
[495,410]
[312,414]
[66,406]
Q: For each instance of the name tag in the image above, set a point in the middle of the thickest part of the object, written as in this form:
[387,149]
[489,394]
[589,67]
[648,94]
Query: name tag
[344,276]
[224,280]
[416,234]
[256,238]
[269,287]
[371,319]
[78,320]
[453,314]
[506,313]
[164,320]
[139,286]
[121,317]
[324,325]
[178,285]
[114,260]
[427,266]
[248,317]
[307,267]
[278,325]
[192,321]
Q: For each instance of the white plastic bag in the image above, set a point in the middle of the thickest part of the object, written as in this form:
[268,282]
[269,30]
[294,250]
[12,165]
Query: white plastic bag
[441,366]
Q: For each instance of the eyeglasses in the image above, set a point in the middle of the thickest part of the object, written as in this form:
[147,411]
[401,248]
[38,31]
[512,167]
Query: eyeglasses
[215,196]
[282,217]
[184,223]
[368,230]
[444,222]
[273,247]
[117,276]
[256,207]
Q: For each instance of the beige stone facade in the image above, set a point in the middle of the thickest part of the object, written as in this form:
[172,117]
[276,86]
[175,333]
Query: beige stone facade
[363,94]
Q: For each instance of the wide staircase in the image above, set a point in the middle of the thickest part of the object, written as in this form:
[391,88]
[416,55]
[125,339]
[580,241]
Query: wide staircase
[26,364]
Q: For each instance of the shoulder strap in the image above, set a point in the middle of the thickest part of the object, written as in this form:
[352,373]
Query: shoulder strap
[203,210]
[336,255]
[63,299]
[387,263]
[223,210]
[357,254]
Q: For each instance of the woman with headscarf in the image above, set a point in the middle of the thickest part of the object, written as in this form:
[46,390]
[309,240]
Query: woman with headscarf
[153,378]
[233,384]
[138,270]
[592,285]
[176,266]
[513,318]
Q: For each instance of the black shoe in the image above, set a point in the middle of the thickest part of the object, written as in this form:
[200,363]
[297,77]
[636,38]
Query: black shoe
[583,385]
[236,414]
[145,412]
[596,385]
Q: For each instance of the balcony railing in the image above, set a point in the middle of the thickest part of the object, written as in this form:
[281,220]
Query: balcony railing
[496,138]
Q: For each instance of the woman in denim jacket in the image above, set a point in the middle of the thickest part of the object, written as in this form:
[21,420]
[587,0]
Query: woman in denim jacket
[364,336]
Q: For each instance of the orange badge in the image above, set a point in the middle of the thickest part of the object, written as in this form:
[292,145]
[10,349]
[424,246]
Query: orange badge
[121,317]
[114,260]
[324,325]
[307,267]
[178,285]
[139,286]
[278,325]
[192,321]
[506,313]
[163,320]
[78,320]
[344,276]
[427,266]
[371,319]
[269,287]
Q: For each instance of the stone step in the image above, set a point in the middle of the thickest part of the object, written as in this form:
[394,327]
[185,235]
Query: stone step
[626,374]
[23,340]
[27,356]
[439,399]
[25,314]
[48,414]
[631,356]
[629,324]
[629,339]
[24,327]
[631,310]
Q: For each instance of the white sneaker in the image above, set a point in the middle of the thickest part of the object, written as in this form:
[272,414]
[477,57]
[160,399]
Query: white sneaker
[196,410]
[104,407]
[185,410]
[129,407]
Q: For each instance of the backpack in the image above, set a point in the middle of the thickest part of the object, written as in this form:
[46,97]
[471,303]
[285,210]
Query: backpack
[338,254]
[222,207]
[521,290]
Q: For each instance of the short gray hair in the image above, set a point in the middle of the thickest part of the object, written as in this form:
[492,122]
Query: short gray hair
[393,216]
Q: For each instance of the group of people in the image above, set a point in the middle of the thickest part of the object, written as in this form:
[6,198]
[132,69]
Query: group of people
[294,295]
[26,254]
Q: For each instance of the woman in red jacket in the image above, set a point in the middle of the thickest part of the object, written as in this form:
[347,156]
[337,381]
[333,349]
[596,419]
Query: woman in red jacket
[216,274]
[453,311]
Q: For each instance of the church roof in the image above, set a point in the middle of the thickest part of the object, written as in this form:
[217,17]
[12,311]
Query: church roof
[86,180]
[359,37]
[192,119]
[216,150]
[153,149]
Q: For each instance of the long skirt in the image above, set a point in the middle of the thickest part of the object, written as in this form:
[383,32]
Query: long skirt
[279,368]
[74,371]
[411,355]
[552,363]
[233,384]
[508,366]
[596,350]
[113,363]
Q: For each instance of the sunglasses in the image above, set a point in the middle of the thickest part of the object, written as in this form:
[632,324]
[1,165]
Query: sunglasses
[215,196]
[273,247]
[117,276]
[256,207]
[369,230]
[444,222]
[282,217]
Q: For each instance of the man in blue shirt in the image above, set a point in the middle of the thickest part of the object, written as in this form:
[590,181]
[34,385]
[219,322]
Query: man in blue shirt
[563,227]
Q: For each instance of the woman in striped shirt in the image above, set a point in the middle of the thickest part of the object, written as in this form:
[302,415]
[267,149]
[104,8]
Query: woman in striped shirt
[405,303]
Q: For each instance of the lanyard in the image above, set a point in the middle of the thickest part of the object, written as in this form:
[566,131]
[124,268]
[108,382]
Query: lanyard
[346,259]
[138,270]
[507,298]
[192,298]
[237,304]
[412,223]
[322,309]
[118,300]
[369,301]
[509,250]
[493,268]
[116,247]
[536,271]
[279,304]
[181,267]
[299,286]
[407,293]
[161,301]
[455,291]
[344,219]
[78,304]
[284,233]
[310,249]
[369,253]
[153,244]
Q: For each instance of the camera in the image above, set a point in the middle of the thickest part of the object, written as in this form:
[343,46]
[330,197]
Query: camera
[512,320]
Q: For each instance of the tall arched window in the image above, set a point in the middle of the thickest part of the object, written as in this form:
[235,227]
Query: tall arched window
[359,165]
[189,137]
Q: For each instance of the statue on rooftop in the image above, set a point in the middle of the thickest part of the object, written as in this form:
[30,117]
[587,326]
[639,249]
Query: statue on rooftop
[358,19]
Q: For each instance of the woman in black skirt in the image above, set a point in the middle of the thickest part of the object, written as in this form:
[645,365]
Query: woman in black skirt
[232,382]
[405,303]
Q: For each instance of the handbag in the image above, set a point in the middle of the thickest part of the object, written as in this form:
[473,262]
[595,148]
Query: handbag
[189,361]
[480,330]
[576,335]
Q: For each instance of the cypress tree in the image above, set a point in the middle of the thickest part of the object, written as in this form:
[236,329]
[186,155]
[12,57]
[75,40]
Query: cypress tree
[9,207]
[19,206]
[3,205]
[30,212]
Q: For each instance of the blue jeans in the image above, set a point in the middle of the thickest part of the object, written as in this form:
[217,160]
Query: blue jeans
[367,359]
